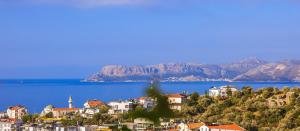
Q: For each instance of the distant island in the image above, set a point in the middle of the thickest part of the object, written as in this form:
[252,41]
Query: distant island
[246,70]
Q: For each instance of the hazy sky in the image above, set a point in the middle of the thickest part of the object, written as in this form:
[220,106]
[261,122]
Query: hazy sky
[74,38]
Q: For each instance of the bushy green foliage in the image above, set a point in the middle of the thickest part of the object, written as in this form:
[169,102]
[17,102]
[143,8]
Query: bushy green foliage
[248,108]
[49,115]
[74,119]
[28,118]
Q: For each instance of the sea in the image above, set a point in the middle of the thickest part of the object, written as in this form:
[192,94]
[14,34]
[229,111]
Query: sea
[35,94]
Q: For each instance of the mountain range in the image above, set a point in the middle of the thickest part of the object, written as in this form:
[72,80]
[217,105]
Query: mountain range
[249,69]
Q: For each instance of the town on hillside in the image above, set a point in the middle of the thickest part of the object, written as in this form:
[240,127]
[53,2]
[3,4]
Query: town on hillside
[224,108]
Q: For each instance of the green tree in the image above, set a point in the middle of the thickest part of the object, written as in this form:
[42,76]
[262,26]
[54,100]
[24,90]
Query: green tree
[161,108]
[103,109]
[247,90]
[28,118]
[49,115]
[228,92]
[193,99]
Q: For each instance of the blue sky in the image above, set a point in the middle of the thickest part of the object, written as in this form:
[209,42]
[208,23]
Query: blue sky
[74,38]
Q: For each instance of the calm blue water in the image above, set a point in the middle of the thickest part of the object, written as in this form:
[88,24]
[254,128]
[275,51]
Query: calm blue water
[36,94]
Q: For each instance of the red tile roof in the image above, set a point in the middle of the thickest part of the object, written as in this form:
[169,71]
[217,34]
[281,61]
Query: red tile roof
[17,107]
[142,98]
[195,125]
[65,109]
[95,103]
[227,127]
[8,120]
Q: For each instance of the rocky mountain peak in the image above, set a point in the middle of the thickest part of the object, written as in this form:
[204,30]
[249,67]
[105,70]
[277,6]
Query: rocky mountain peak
[251,60]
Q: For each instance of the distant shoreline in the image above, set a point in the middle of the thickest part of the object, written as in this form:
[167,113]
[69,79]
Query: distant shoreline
[191,81]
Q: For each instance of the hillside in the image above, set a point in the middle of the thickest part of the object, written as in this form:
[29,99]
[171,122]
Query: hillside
[250,69]
[265,109]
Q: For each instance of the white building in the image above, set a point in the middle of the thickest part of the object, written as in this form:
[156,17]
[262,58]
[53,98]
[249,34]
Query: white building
[220,127]
[142,124]
[47,110]
[221,91]
[10,124]
[225,88]
[60,112]
[146,102]
[176,100]
[3,115]
[214,91]
[189,126]
[117,107]
[91,107]
[16,112]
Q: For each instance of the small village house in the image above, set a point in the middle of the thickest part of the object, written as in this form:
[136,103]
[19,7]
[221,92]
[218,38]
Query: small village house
[189,126]
[117,107]
[3,115]
[221,91]
[221,127]
[176,100]
[93,104]
[16,112]
[146,102]
[91,107]
[142,124]
[10,124]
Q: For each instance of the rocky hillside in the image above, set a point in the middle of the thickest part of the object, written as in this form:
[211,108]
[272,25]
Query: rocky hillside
[276,71]
[250,69]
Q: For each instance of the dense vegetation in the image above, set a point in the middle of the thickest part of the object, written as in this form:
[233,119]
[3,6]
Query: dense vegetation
[251,109]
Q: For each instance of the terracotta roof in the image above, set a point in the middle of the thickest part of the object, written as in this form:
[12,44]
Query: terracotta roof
[195,125]
[227,127]
[175,95]
[16,107]
[142,98]
[8,120]
[65,109]
[95,103]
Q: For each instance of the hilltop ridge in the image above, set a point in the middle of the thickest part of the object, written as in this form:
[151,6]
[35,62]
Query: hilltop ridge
[249,69]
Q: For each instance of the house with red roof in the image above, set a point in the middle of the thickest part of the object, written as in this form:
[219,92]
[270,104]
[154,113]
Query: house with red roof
[91,107]
[221,127]
[146,102]
[16,112]
[93,104]
[10,124]
[60,112]
[176,100]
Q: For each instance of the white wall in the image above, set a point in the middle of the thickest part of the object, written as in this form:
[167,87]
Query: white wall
[120,107]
